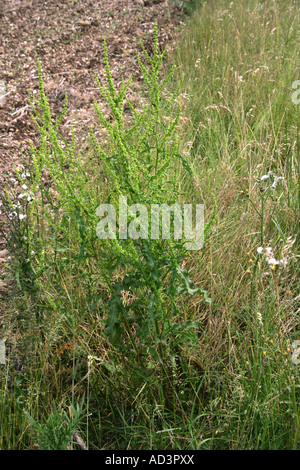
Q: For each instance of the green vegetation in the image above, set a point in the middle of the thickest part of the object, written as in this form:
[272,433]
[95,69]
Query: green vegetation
[149,345]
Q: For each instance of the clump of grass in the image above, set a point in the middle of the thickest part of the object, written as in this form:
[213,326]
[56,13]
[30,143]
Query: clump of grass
[57,432]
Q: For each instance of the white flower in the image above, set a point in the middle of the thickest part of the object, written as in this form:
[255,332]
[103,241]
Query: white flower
[269,252]
[25,174]
[24,186]
[270,258]
[22,216]
[284,261]
[22,195]
[277,178]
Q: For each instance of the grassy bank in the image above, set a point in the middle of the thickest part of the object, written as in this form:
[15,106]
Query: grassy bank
[149,345]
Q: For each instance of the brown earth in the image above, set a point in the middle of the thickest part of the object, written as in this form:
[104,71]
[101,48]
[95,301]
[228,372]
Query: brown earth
[67,38]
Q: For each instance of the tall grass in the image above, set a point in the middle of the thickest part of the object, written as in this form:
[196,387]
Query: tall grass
[217,375]
[239,63]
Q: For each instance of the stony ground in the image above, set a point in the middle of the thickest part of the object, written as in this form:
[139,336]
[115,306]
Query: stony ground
[67,38]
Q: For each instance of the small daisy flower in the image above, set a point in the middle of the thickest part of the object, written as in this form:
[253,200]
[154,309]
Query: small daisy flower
[275,182]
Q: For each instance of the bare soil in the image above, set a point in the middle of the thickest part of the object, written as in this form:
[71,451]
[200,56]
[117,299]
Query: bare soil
[67,37]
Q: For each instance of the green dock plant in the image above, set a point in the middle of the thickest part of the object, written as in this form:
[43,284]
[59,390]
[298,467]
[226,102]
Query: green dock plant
[144,167]
[143,280]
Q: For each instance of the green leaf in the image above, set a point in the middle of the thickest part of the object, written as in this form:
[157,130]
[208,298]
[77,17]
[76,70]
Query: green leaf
[185,164]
